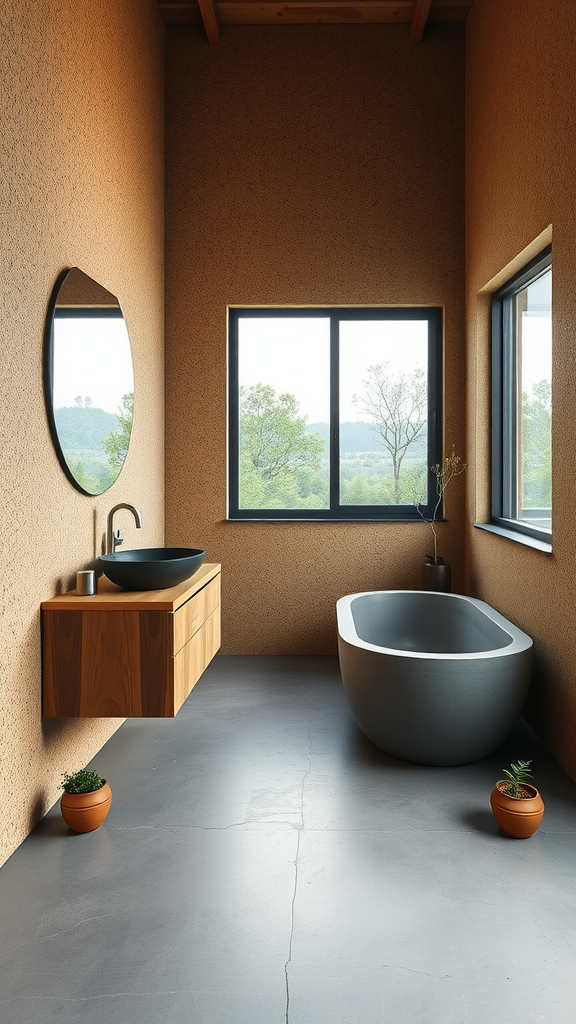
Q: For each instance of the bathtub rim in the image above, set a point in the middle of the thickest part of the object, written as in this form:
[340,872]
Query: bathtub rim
[347,630]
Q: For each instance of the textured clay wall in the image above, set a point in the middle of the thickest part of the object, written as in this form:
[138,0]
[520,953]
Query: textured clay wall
[305,165]
[82,185]
[521,160]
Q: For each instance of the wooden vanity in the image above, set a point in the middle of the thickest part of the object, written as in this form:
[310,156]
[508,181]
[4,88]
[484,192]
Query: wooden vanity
[125,654]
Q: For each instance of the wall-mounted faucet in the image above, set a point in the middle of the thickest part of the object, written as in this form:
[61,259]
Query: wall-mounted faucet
[113,540]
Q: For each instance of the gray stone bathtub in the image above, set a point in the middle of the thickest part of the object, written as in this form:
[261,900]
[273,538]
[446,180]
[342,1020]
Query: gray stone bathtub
[432,678]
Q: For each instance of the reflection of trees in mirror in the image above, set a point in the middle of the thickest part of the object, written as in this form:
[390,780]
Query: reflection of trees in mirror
[537,447]
[397,404]
[92,475]
[94,442]
[117,442]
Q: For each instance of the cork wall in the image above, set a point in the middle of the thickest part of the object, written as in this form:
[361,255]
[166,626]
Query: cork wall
[305,165]
[82,185]
[521,193]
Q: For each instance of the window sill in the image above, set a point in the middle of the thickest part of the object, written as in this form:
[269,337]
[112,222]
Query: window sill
[279,518]
[520,538]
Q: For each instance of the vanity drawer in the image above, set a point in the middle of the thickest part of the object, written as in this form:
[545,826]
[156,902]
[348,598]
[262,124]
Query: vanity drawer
[190,616]
[191,661]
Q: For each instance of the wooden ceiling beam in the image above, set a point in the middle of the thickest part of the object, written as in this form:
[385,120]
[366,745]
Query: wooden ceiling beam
[314,12]
[210,19]
[419,19]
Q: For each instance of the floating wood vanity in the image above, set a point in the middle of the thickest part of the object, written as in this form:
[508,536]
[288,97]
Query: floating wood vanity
[124,654]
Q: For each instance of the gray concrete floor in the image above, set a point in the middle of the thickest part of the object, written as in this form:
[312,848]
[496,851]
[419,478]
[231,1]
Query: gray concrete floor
[263,863]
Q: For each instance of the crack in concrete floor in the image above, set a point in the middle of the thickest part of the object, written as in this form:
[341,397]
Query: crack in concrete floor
[296,861]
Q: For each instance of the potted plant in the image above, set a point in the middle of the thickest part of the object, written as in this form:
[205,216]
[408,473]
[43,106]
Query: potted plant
[85,801]
[436,573]
[517,805]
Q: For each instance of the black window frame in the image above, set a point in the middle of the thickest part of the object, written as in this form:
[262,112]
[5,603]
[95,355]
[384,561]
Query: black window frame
[504,399]
[338,512]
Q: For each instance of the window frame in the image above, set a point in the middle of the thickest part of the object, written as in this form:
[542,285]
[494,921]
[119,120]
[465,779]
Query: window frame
[336,511]
[504,400]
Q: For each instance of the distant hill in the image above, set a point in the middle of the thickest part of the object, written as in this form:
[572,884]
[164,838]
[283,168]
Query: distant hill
[359,437]
[83,430]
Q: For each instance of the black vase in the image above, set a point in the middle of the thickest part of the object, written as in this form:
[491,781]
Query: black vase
[437,577]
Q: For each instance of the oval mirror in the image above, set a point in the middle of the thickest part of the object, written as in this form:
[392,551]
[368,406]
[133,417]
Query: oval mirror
[88,381]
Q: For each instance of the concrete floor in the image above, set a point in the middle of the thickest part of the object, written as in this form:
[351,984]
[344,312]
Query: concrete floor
[263,863]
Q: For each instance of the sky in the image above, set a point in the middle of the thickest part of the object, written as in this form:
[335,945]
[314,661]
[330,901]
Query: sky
[293,355]
[536,351]
[537,332]
[92,358]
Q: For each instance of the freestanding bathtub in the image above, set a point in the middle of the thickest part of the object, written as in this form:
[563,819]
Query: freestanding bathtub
[433,678]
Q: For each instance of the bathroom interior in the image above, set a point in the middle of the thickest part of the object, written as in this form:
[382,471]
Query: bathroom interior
[262,861]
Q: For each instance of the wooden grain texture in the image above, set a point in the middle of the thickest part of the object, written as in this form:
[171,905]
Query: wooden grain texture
[110,665]
[156,665]
[190,662]
[62,656]
[419,18]
[210,20]
[102,662]
[190,616]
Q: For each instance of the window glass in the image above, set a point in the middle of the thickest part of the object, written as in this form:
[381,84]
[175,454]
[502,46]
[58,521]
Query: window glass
[534,403]
[383,411]
[284,412]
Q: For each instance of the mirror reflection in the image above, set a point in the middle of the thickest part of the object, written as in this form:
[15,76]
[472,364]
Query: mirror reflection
[89,380]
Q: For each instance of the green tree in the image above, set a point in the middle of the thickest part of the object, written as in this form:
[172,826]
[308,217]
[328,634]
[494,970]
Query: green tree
[116,443]
[397,405]
[274,446]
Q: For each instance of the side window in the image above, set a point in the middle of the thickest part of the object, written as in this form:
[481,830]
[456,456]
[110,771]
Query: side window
[522,401]
[334,413]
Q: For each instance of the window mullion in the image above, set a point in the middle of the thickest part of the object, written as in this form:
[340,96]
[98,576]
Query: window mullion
[510,410]
[233,417]
[434,433]
[334,413]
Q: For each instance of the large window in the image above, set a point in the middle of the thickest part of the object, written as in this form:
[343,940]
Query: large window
[334,413]
[522,401]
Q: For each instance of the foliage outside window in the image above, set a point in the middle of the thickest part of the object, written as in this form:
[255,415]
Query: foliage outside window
[333,413]
[522,401]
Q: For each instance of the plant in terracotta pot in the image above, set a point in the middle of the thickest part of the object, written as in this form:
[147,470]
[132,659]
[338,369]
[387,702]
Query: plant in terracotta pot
[516,804]
[436,573]
[85,801]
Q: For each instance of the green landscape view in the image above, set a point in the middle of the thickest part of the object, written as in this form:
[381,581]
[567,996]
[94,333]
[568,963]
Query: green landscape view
[284,461]
[94,442]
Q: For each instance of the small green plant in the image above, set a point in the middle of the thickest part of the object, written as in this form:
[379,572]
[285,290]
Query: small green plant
[83,781]
[517,775]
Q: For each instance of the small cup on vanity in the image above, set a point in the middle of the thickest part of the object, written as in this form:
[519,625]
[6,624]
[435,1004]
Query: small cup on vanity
[86,583]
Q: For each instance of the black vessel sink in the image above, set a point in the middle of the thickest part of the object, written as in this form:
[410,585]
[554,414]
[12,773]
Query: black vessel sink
[151,568]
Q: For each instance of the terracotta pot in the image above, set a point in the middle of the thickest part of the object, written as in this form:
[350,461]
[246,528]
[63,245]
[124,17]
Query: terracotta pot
[437,576]
[84,812]
[517,817]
